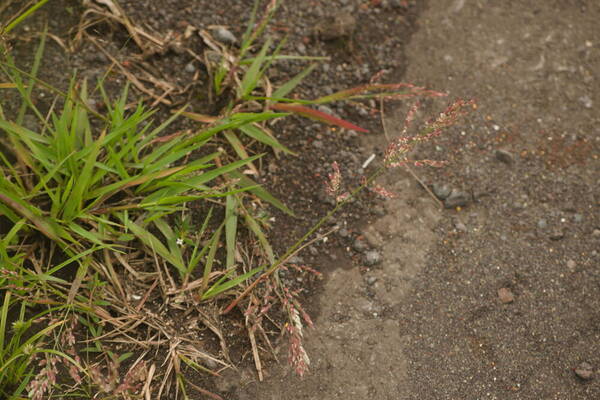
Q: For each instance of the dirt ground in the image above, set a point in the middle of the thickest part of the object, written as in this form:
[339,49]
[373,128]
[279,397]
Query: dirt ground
[495,296]
[429,323]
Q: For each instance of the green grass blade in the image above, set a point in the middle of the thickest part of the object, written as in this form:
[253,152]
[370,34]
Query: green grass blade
[253,225]
[210,258]
[265,137]
[3,320]
[23,16]
[292,83]
[196,180]
[170,238]
[74,204]
[230,229]
[259,191]
[152,242]
[219,288]
[247,36]
[253,75]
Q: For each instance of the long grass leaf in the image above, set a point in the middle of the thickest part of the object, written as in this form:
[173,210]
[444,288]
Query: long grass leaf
[210,258]
[239,148]
[230,229]
[292,83]
[152,242]
[20,18]
[252,75]
[253,225]
[259,191]
[265,137]
[317,115]
[219,288]
[170,238]
[197,180]
[74,205]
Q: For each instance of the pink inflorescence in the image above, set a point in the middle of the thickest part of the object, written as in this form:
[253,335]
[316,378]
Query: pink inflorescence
[397,150]
[335,180]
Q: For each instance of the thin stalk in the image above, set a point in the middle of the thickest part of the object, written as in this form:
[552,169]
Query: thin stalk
[290,251]
[22,17]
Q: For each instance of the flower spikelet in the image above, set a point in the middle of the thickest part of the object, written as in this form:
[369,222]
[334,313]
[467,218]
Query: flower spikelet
[335,180]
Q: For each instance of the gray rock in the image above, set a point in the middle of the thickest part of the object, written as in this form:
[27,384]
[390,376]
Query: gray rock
[317,144]
[586,101]
[457,198]
[460,227]
[325,109]
[296,260]
[360,245]
[505,156]
[557,235]
[596,233]
[343,232]
[225,36]
[379,211]
[584,371]
[578,218]
[190,68]
[442,191]
[372,257]
[301,48]
[542,224]
[370,280]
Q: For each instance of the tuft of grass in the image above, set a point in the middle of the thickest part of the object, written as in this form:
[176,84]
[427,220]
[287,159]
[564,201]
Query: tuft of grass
[87,189]
[100,202]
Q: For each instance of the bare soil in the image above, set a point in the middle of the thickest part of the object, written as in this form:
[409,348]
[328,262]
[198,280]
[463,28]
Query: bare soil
[433,325]
[430,321]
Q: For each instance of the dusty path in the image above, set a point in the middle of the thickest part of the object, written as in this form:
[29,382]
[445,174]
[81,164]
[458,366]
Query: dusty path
[428,323]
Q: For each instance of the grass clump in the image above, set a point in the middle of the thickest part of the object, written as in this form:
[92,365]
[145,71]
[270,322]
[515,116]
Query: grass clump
[112,222]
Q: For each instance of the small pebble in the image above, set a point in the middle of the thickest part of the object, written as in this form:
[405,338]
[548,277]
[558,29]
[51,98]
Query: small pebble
[325,109]
[296,260]
[578,218]
[542,224]
[571,265]
[586,101]
[457,198]
[225,36]
[441,190]
[360,245]
[460,227]
[379,211]
[210,363]
[596,233]
[370,280]
[557,235]
[372,257]
[584,371]
[505,156]
[190,68]
[506,295]
[343,232]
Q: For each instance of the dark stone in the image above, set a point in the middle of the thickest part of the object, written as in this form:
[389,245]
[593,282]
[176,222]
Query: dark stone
[505,156]
[457,198]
